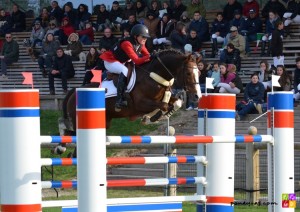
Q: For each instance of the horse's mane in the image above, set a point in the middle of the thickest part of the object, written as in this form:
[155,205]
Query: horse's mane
[169,51]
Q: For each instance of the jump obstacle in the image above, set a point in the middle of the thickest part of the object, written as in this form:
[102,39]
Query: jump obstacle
[20,162]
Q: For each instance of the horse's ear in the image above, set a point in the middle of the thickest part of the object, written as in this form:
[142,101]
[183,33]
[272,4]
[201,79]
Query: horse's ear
[190,57]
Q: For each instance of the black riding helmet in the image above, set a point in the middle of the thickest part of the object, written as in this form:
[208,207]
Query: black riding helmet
[140,29]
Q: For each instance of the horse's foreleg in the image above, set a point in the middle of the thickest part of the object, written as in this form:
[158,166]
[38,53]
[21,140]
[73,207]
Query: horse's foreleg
[175,105]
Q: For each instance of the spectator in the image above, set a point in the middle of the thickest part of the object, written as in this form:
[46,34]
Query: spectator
[250,5]
[9,53]
[130,23]
[227,84]
[253,98]
[184,19]
[297,80]
[164,29]
[201,26]
[270,26]
[292,15]
[250,27]
[74,47]
[129,10]
[230,7]
[86,35]
[277,44]
[203,73]
[232,56]
[151,22]
[83,16]
[178,9]
[237,20]
[215,74]
[141,11]
[196,5]
[56,12]
[218,33]
[284,80]
[194,40]
[65,31]
[53,29]
[116,15]
[48,51]
[125,34]
[154,8]
[237,40]
[44,17]
[107,41]
[70,13]
[167,9]
[264,74]
[102,18]
[178,37]
[62,68]
[274,6]
[5,23]
[18,19]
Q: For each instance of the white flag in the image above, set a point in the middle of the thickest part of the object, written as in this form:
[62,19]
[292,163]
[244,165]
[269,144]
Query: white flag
[275,82]
[209,82]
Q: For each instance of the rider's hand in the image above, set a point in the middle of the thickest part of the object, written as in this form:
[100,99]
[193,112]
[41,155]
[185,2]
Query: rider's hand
[153,55]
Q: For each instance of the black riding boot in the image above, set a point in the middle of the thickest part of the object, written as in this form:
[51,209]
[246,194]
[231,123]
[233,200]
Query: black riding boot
[214,49]
[121,101]
[269,48]
[263,48]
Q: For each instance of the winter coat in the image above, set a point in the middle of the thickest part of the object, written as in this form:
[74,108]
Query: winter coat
[57,13]
[238,42]
[50,48]
[64,65]
[233,58]
[5,24]
[220,26]
[82,17]
[18,21]
[11,50]
[254,91]
[152,26]
[228,11]
[75,47]
[102,17]
[296,80]
[178,40]
[229,78]
[275,6]
[250,5]
[114,14]
[237,23]
[89,32]
[177,11]
[191,8]
[67,29]
[107,42]
[37,34]
[252,26]
[164,29]
[201,28]
[270,25]
[277,43]
[195,42]
[294,8]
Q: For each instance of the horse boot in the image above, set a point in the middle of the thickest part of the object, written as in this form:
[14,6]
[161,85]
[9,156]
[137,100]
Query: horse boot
[121,101]
[263,48]
[214,47]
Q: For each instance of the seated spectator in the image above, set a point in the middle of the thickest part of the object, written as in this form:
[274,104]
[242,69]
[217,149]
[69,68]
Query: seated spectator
[264,75]
[62,68]
[125,34]
[116,15]
[237,40]
[250,27]
[230,7]
[44,17]
[203,73]
[237,20]
[201,26]
[277,44]
[284,80]
[129,10]
[70,13]
[184,19]
[226,83]
[166,9]
[5,23]
[218,33]
[92,62]
[141,11]
[151,22]
[215,74]
[18,19]
[154,8]
[164,29]
[65,31]
[130,23]
[250,5]
[270,26]
[178,9]
[48,52]
[193,39]
[82,16]
[297,80]
[102,18]
[275,6]
[292,15]
[9,53]
[53,29]
[74,47]
[196,5]
[232,56]
[253,98]
[86,35]
[107,41]
[178,37]
[56,12]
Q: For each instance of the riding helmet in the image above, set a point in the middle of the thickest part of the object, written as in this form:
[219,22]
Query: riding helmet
[140,29]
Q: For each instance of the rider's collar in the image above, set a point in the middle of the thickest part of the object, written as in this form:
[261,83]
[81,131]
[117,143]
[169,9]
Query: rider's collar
[161,80]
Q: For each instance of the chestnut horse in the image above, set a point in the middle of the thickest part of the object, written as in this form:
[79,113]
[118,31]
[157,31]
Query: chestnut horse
[151,90]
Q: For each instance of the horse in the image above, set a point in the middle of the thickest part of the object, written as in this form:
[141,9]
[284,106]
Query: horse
[151,93]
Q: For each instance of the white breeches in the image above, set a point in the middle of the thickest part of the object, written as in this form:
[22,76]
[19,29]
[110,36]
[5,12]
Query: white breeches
[226,88]
[265,38]
[158,41]
[219,38]
[116,68]
[289,21]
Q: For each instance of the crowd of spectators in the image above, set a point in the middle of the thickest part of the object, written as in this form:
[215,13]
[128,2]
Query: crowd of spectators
[178,26]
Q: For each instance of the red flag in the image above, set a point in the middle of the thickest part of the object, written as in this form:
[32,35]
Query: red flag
[97,76]
[28,79]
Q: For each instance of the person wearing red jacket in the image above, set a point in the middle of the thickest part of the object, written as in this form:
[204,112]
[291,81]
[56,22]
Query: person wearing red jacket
[248,5]
[86,36]
[128,49]
[65,31]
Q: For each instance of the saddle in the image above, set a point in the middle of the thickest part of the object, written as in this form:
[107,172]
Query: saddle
[114,77]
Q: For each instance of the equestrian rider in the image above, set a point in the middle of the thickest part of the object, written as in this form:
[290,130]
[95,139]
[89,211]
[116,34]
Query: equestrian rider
[128,49]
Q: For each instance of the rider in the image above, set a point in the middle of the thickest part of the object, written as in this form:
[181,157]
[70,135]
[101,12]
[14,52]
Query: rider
[128,49]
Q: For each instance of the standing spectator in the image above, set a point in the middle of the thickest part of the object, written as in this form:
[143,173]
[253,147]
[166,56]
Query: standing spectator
[297,80]
[218,33]
[277,44]
[284,80]
[102,18]
[227,84]
[194,40]
[107,41]
[129,10]
[264,75]
[292,15]
[69,12]
[74,47]
[237,40]
[56,12]
[86,35]
[275,6]
[250,5]
[178,9]
[164,29]
[48,51]
[65,31]
[230,7]
[53,29]
[18,19]
[116,15]
[141,11]
[130,23]
[9,53]
[250,27]
[237,20]
[196,5]
[232,56]
[178,37]
[201,26]
[62,68]
[83,16]
[5,23]
[154,8]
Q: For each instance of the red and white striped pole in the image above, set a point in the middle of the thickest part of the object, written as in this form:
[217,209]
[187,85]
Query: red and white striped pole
[91,149]
[20,168]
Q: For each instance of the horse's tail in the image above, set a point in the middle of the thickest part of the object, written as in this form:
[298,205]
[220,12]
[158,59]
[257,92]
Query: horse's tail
[65,103]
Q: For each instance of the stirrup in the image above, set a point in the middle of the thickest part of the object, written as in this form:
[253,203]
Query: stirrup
[119,106]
